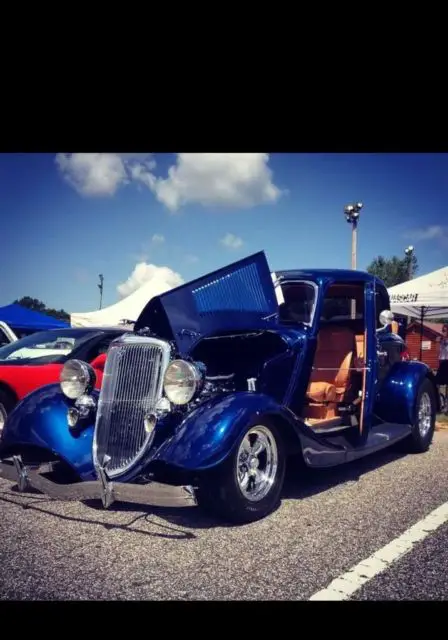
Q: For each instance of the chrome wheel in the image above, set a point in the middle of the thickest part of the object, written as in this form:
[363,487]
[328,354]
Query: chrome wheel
[2,417]
[424,414]
[257,463]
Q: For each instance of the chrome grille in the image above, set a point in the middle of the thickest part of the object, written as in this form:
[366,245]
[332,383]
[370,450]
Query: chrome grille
[132,385]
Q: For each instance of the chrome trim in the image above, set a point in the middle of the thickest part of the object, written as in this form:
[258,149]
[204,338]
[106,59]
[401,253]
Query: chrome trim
[424,416]
[257,463]
[109,386]
[153,493]
[251,384]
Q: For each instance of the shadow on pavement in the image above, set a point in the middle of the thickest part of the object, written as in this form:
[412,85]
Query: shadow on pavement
[300,483]
[34,504]
[303,482]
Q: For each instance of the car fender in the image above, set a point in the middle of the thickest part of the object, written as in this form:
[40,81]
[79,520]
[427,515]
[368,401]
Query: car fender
[40,420]
[208,434]
[397,397]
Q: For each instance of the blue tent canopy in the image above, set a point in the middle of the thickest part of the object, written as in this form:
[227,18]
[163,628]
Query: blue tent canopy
[18,317]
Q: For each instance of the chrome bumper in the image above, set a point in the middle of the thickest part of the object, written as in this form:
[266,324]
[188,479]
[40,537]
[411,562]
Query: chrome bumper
[153,493]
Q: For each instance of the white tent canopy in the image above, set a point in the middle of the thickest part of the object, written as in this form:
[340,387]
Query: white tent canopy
[127,309]
[423,297]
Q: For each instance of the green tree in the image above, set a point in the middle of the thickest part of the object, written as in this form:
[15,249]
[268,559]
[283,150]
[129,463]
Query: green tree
[37,305]
[393,270]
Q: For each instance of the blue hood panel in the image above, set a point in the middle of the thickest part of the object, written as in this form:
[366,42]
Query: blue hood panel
[238,296]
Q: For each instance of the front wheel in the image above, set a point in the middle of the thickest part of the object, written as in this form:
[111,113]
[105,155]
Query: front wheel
[247,486]
[424,420]
[6,405]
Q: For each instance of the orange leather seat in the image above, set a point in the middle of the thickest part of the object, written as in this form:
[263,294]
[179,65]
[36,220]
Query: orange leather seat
[322,392]
[330,377]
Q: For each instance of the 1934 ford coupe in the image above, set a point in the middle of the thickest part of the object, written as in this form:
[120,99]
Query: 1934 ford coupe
[222,380]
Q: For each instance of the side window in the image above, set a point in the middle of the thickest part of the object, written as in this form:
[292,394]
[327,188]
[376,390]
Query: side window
[298,302]
[381,303]
[343,301]
[3,338]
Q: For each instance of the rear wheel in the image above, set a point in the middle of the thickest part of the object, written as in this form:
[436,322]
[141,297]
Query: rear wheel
[424,420]
[247,486]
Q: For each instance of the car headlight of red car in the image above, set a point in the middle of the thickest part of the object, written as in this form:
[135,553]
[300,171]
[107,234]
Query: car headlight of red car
[77,378]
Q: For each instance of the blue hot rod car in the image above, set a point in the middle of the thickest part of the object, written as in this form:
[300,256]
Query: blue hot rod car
[221,381]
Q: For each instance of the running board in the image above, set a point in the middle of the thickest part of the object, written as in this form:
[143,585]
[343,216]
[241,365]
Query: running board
[321,430]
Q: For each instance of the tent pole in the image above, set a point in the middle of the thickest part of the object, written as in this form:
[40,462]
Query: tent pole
[422,313]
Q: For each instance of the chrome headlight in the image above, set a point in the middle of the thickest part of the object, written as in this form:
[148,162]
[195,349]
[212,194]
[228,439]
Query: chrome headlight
[83,409]
[77,378]
[182,381]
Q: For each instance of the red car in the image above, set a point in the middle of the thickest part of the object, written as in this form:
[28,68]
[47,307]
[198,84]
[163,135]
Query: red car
[37,360]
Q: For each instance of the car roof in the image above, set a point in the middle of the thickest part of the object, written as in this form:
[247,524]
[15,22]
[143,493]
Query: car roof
[349,275]
[91,329]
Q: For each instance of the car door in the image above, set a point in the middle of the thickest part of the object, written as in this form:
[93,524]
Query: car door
[370,359]
[389,345]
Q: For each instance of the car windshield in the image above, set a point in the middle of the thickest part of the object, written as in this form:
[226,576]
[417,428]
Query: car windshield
[299,299]
[44,347]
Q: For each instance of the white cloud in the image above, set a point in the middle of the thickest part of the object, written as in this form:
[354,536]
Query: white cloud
[100,174]
[158,238]
[191,259]
[226,179]
[143,273]
[92,174]
[231,241]
[433,232]
[436,234]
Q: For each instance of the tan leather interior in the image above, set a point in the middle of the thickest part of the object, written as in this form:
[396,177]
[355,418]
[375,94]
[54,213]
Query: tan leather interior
[333,359]
[322,392]
[325,423]
[330,378]
[360,352]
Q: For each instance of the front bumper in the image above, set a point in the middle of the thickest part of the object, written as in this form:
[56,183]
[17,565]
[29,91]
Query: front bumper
[153,494]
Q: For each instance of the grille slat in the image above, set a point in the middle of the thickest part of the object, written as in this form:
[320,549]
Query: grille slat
[132,385]
[237,291]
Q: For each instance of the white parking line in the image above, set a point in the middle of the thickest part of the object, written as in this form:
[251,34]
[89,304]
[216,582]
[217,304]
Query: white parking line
[347,583]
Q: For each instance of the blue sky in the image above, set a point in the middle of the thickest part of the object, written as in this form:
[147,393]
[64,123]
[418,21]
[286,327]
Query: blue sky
[69,217]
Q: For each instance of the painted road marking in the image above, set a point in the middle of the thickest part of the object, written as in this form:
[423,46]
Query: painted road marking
[347,583]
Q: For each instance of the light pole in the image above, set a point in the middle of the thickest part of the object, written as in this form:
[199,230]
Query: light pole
[100,287]
[409,253]
[352,212]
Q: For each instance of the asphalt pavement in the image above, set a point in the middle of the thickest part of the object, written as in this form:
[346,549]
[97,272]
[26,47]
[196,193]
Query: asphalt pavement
[328,522]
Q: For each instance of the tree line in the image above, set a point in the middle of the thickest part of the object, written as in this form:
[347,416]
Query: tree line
[37,305]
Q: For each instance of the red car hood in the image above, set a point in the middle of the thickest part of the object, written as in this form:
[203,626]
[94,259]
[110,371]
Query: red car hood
[24,378]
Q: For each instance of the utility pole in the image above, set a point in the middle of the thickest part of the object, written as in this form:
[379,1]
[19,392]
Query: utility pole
[100,287]
[409,253]
[351,212]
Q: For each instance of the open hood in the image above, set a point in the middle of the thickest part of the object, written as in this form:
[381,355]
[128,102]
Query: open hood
[238,296]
